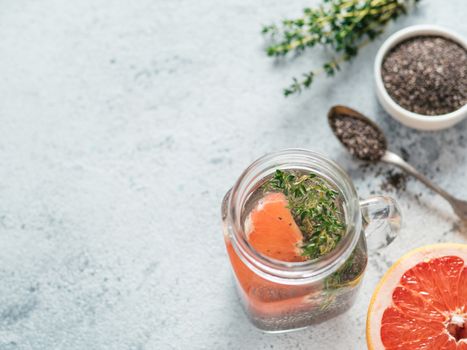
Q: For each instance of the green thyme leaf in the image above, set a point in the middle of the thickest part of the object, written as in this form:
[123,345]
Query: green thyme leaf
[343,26]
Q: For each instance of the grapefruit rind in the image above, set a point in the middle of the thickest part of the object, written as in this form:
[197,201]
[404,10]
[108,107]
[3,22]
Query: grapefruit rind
[382,296]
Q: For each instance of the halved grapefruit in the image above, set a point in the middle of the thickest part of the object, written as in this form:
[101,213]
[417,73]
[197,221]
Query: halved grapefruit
[421,302]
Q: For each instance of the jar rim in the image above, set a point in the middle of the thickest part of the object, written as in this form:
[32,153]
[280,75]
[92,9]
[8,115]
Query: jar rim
[293,272]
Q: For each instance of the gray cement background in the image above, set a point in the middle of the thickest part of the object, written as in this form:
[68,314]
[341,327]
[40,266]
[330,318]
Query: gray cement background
[122,124]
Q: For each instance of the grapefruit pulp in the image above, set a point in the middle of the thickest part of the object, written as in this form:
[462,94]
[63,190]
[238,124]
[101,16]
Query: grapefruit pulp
[272,231]
[421,302]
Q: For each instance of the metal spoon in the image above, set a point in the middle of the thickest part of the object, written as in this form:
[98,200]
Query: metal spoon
[459,206]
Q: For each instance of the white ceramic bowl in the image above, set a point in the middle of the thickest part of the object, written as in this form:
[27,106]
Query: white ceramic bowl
[406,117]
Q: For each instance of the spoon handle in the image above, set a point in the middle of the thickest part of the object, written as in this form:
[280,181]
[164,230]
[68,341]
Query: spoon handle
[393,158]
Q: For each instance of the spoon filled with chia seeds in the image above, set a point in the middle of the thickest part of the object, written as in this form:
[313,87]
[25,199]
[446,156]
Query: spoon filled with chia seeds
[366,141]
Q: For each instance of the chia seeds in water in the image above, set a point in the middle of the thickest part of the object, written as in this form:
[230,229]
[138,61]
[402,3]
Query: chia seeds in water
[427,75]
[361,138]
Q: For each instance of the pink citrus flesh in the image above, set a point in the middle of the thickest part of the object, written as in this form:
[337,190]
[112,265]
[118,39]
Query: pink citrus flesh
[421,302]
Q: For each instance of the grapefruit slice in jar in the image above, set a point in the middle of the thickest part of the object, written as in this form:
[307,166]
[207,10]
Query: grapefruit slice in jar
[272,230]
[421,302]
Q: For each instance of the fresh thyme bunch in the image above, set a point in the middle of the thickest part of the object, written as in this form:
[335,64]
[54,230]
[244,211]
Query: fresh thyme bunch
[342,25]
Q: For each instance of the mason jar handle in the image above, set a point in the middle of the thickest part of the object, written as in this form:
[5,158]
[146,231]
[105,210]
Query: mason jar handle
[381,221]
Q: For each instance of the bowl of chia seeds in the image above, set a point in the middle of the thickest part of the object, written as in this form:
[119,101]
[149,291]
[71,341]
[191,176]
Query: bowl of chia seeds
[421,77]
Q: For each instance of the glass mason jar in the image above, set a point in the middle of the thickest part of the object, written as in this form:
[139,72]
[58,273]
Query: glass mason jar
[281,296]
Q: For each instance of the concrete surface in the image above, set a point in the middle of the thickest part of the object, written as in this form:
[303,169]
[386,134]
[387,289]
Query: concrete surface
[122,124]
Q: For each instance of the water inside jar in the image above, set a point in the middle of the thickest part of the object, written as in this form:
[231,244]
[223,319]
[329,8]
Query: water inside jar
[273,229]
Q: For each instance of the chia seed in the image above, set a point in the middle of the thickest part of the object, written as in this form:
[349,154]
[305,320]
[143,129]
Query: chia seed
[394,180]
[427,75]
[361,139]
